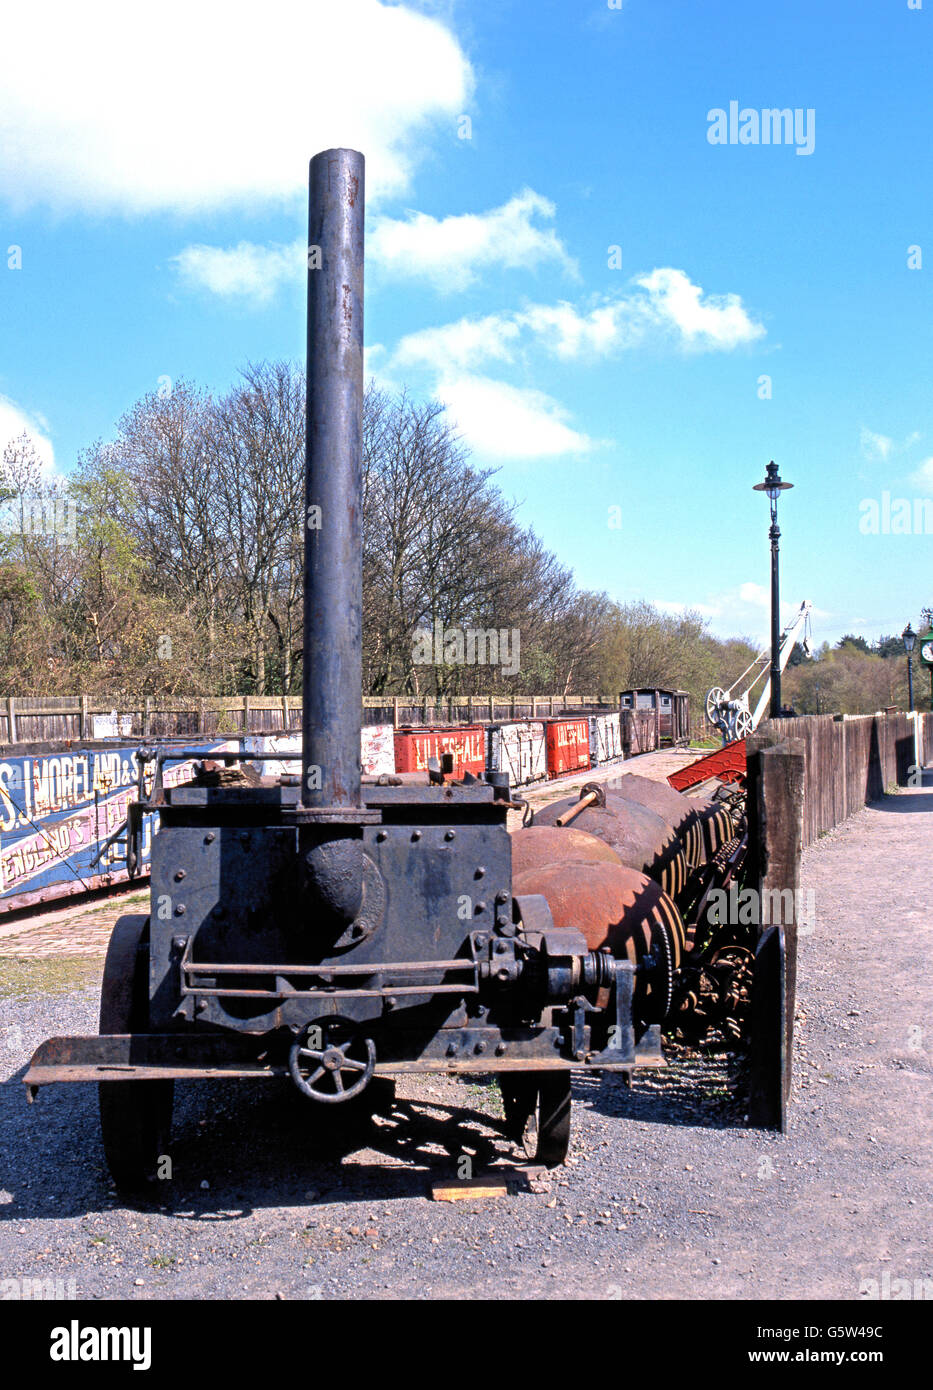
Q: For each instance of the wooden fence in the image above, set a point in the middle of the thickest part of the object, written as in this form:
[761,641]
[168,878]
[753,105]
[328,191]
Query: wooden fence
[39,719]
[850,759]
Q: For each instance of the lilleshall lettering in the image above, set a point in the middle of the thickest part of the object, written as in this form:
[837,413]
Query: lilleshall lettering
[771,125]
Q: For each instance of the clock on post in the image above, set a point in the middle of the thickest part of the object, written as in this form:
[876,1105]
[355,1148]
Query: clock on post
[925,644]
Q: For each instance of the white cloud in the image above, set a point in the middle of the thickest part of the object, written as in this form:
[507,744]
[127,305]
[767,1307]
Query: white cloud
[450,251]
[668,305]
[564,331]
[875,446]
[922,476]
[755,594]
[244,271]
[508,422]
[460,344]
[742,609]
[112,106]
[711,321]
[15,422]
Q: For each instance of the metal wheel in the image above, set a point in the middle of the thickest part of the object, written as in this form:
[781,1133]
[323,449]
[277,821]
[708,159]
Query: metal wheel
[714,699]
[743,723]
[135,1116]
[328,1066]
[537,1114]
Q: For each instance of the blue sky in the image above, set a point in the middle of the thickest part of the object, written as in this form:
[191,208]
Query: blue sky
[153,174]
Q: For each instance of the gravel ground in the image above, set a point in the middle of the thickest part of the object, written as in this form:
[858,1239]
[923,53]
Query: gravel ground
[665,1195]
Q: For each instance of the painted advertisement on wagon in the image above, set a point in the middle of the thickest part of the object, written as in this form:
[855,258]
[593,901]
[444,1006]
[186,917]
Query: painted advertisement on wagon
[58,809]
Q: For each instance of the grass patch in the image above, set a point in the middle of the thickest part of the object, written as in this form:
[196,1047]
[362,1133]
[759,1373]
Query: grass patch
[47,975]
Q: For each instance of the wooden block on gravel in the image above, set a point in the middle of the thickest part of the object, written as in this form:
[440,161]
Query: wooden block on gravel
[464,1191]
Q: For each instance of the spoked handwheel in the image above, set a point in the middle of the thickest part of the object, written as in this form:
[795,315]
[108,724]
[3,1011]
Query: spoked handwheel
[330,1064]
[135,1116]
[537,1114]
[714,698]
[744,724]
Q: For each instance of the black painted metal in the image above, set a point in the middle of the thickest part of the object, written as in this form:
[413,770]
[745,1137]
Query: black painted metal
[333,582]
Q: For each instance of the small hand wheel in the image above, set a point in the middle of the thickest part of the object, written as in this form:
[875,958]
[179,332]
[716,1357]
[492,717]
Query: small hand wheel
[330,1068]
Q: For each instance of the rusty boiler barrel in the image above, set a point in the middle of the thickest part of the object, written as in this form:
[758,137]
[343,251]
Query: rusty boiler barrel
[540,846]
[617,909]
[673,806]
[641,838]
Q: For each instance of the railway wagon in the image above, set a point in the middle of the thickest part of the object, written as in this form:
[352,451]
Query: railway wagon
[671,710]
[568,745]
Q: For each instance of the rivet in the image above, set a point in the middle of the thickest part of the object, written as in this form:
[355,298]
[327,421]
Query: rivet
[451,1049]
[480,907]
[480,871]
[180,875]
[500,1049]
[502,896]
[450,834]
[416,834]
[180,910]
[210,837]
[480,1048]
[382,834]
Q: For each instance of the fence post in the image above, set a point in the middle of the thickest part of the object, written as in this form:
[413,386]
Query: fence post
[246,714]
[775,789]
[11,717]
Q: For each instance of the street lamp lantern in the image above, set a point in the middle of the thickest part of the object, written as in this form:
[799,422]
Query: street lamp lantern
[774,485]
[909,638]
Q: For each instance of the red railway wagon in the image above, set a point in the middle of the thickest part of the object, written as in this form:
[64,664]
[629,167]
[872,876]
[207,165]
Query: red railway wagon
[413,748]
[568,746]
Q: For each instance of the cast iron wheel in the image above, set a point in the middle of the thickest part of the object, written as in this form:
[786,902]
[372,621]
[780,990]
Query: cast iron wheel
[537,1114]
[135,1116]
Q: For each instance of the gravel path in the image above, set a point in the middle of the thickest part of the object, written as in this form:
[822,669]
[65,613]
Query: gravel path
[665,1193]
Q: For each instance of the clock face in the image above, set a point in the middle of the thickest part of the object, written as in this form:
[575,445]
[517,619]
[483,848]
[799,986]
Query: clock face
[926,652]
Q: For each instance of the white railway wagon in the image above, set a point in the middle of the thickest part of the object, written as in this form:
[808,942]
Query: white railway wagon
[518,749]
[605,738]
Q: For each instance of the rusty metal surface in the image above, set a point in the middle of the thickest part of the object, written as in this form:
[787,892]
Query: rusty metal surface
[669,804]
[539,846]
[640,837]
[617,909]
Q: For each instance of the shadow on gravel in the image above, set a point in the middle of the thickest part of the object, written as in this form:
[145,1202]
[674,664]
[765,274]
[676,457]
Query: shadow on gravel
[707,1092]
[253,1145]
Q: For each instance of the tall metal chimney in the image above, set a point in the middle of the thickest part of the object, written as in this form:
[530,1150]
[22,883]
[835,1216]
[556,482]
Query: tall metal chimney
[333,581]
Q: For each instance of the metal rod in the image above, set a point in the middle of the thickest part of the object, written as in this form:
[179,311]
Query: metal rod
[333,581]
[775,536]
[910,682]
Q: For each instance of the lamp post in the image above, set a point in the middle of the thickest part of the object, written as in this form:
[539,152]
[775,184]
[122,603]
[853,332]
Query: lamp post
[774,485]
[909,637]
